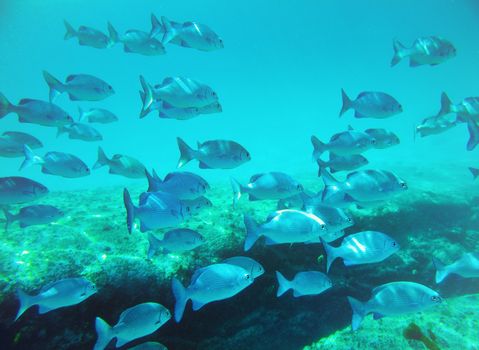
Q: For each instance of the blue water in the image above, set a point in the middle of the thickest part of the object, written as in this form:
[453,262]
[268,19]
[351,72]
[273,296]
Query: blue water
[278,78]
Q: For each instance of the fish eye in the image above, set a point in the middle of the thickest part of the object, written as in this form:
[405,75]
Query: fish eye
[394,244]
[350,220]
[403,185]
[373,141]
[323,226]
[247,276]
[188,209]
[110,88]
[299,187]
[435,298]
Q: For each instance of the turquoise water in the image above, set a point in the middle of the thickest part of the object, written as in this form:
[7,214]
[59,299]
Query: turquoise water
[279,80]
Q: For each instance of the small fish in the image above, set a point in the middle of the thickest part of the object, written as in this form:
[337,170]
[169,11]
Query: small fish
[33,215]
[430,50]
[466,266]
[88,36]
[121,165]
[394,299]
[208,284]
[284,226]
[342,163]
[191,34]
[65,292]
[215,154]
[151,345]
[135,322]
[79,87]
[371,104]
[336,219]
[467,109]
[177,241]
[364,247]
[473,129]
[168,111]
[35,112]
[137,41]
[252,266]
[17,190]
[155,210]
[196,205]
[304,283]
[434,125]
[384,138]
[97,115]
[272,185]
[11,143]
[79,131]
[474,172]
[362,186]
[179,92]
[345,143]
[182,184]
[56,163]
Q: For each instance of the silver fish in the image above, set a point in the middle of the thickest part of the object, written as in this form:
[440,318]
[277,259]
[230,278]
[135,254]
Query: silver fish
[430,50]
[336,219]
[394,299]
[284,226]
[65,292]
[211,283]
[364,247]
[272,185]
[79,87]
[183,184]
[17,190]
[178,241]
[33,215]
[135,322]
[303,283]
[196,205]
[466,266]
[97,115]
[252,266]
[121,165]
[344,143]
[384,138]
[11,143]
[434,125]
[341,163]
[35,112]
[371,104]
[215,154]
[88,36]
[137,41]
[79,131]
[56,163]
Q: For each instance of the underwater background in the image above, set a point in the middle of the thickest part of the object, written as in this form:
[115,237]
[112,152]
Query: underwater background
[279,79]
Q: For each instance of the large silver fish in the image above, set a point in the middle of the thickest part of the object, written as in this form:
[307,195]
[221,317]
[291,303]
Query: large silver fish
[97,115]
[12,142]
[303,283]
[120,164]
[344,143]
[80,131]
[137,41]
[33,215]
[88,36]
[430,50]
[466,266]
[371,104]
[17,190]
[183,184]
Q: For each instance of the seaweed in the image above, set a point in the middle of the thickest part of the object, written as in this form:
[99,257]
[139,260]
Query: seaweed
[413,332]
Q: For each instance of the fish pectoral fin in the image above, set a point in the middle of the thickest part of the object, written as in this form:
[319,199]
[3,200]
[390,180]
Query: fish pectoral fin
[44,309]
[73,97]
[46,171]
[204,166]
[413,63]
[359,115]
[143,227]
[197,305]
[377,315]
[253,198]
[112,171]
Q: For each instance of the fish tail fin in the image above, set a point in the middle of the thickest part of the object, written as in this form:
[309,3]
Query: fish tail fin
[55,85]
[30,158]
[318,147]
[114,38]
[170,32]
[26,301]
[473,130]
[103,331]
[347,103]
[146,97]
[474,172]
[102,159]
[81,113]
[332,186]
[5,106]
[237,189]
[70,31]
[9,218]
[151,181]
[181,298]
[321,165]
[252,232]
[441,271]
[359,311]
[400,51]
[445,105]
[152,245]
[130,209]
[156,26]
[330,254]
[283,284]
[186,152]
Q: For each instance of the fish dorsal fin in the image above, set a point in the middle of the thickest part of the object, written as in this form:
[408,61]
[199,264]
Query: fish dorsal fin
[49,291]
[255,177]
[126,49]
[350,128]
[378,289]
[169,176]
[359,115]
[168,80]
[71,77]
[204,166]
[25,101]
[335,137]
[271,216]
